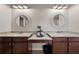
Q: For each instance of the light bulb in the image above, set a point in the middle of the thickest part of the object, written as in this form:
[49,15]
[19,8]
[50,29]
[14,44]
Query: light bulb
[64,7]
[20,7]
[55,7]
[60,7]
[14,6]
[25,6]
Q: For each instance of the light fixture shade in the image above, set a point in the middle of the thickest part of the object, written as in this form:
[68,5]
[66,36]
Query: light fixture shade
[15,7]
[20,6]
[60,7]
[25,7]
[55,7]
[64,7]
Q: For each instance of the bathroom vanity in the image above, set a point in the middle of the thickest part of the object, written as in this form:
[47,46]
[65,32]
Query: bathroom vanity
[20,44]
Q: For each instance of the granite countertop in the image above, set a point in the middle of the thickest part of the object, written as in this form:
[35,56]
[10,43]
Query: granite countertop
[53,34]
[8,34]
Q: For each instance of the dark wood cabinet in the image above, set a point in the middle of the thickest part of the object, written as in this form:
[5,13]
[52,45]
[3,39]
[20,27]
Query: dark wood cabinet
[16,45]
[66,45]
[5,45]
[20,45]
[20,48]
[74,45]
[59,45]
[6,48]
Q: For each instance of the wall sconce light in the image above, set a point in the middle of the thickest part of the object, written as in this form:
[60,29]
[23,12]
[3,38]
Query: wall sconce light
[14,6]
[60,7]
[64,7]
[24,6]
[19,6]
[55,7]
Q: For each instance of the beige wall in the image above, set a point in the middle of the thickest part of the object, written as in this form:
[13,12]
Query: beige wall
[42,17]
[38,17]
[74,18]
[5,18]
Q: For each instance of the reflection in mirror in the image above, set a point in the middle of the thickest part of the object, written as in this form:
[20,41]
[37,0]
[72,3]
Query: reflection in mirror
[22,21]
[58,20]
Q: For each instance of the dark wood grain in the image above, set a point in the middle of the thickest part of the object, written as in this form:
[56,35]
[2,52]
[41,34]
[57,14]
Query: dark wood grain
[59,45]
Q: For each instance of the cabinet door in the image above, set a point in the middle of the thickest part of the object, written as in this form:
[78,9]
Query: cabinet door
[20,45]
[5,45]
[59,45]
[20,48]
[74,45]
[6,48]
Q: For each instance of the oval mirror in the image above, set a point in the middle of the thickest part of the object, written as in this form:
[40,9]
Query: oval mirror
[58,20]
[22,20]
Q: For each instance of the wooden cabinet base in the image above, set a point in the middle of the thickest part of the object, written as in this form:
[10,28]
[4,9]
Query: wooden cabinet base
[21,45]
[59,45]
[13,45]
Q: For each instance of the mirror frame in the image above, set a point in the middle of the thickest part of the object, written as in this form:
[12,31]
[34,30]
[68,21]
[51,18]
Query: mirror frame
[55,22]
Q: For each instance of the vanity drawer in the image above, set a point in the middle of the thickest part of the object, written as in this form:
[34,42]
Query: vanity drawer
[59,39]
[20,39]
[5,39]
[74,39]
